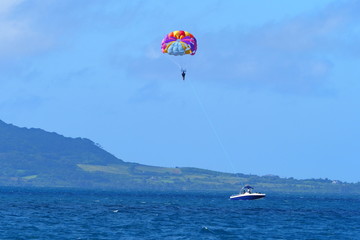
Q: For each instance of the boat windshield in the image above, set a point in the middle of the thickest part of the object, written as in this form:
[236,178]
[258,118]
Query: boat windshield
[246,189]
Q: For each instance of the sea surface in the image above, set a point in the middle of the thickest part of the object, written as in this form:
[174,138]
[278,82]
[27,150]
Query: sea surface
[73,214]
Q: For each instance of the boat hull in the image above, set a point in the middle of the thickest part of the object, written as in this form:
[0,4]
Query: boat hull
[247,196]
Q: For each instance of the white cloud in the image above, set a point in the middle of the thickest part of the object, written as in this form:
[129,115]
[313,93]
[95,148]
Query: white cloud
[6,6]
[10,30]
[18,33]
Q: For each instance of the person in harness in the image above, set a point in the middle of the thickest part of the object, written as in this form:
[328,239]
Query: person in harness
[183,73]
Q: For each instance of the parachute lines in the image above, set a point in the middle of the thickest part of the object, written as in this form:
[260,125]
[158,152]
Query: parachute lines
[226,154]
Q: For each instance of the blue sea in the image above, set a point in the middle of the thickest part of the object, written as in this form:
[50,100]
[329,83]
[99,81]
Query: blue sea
[79,214]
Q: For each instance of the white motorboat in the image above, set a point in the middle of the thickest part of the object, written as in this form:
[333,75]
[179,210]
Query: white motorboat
[247,194]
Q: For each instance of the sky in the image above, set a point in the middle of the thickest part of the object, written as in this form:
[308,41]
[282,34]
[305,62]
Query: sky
[272,89]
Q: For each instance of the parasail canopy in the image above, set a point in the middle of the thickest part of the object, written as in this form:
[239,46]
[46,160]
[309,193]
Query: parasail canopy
[179,43]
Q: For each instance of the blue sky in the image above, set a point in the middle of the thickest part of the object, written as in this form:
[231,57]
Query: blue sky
[273,88]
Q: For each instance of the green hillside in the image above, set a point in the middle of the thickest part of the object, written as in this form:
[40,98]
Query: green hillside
[34,157]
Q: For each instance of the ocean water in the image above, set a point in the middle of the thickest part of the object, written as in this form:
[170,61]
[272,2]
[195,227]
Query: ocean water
[70,214]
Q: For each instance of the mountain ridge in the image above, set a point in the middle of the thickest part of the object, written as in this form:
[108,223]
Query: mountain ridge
[36,158]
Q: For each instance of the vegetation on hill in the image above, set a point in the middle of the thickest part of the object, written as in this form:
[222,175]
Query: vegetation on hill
[34,157]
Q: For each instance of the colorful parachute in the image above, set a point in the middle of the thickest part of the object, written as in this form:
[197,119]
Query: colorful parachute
[179,43]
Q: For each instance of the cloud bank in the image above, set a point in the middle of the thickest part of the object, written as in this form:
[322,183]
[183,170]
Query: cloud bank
[295,55]
[17,35]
